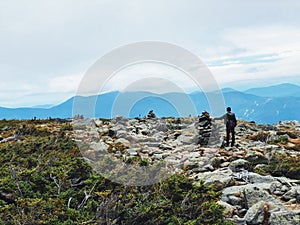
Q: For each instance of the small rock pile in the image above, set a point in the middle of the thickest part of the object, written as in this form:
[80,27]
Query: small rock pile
[204,128]
[209,133]
[151,114]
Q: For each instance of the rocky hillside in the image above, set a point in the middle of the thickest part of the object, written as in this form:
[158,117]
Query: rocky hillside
[259,177]
[46,174]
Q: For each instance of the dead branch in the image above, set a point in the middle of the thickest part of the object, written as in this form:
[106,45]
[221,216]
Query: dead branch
[14,175]
[58,184]
[86,197]
[69,202]
[15,137]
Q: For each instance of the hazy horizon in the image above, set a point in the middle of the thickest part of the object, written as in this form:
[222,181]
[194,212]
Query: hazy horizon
[48,105]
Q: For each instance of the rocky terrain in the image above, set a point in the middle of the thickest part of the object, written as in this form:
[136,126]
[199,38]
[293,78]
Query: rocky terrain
[259,177]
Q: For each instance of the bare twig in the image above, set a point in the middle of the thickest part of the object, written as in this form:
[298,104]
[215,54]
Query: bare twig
[69,202]
[75,183]
[86,197]
[14,175]
[58,184]
[12,138]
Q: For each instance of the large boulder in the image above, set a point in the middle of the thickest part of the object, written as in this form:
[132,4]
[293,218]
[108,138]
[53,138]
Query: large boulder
[221,178]
[254,194]
[250,194]
[256,214]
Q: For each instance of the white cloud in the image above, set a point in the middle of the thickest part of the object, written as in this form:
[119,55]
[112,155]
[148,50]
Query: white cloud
[150,76]
[65,84]
[20,93]
[42,43]
[271,53]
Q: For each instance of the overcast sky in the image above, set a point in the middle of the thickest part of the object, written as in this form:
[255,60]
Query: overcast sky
[47,46]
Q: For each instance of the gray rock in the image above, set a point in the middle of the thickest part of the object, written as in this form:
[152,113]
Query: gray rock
[221,177]
[234,200]
[254,194]
[119,120]
[152,144]
[188,164]
[288,182]
[242,212]
[257,178]
[251,194]
[98,122]
[161,127]
[255,214]
[146,139]
[277,192]
[208,167]
[121,134]
[99,146]
[232,191]
[275,186]
[224,164]
[285,218]
[294,192]
[133,151]
[239,165]
[187,140]
[161,156]
[172,160]
[157,151]
[123,141]
[165,147]
[229,209]
[145,151]
[285,188]
[142,126]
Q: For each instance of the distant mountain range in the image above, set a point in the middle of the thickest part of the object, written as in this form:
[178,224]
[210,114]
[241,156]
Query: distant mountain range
[263,105]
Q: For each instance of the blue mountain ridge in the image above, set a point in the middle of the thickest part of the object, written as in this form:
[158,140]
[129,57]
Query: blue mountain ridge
[281,90]
[246,105]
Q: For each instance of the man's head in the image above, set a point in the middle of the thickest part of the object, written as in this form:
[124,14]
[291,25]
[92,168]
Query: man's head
[228,109]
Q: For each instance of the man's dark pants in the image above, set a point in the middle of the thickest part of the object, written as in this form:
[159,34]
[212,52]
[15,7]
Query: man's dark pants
[230,130]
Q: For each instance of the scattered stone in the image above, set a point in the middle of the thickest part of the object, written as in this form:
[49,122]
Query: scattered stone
[194,145]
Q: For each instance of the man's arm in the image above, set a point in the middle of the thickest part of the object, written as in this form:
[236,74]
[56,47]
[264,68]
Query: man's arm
[220,118]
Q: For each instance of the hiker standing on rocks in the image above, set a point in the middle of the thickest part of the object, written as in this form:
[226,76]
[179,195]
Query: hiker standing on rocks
[230,122]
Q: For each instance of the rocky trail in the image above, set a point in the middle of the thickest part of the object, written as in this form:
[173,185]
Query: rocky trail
[259,177]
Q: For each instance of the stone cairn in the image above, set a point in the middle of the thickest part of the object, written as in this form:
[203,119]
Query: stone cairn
[209,133]
[151,115]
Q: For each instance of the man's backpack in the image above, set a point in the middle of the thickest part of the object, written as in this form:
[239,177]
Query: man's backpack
[231,121]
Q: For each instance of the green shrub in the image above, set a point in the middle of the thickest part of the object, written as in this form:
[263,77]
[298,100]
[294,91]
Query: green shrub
[279,140]
[44,180]
[284,165]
